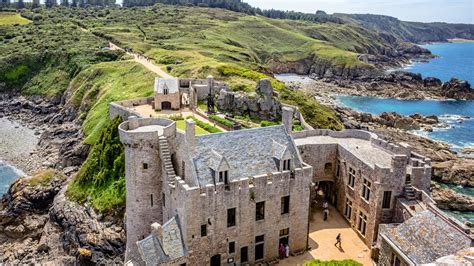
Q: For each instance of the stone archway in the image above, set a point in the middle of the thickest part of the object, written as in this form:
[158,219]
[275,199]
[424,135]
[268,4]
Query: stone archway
[166,106]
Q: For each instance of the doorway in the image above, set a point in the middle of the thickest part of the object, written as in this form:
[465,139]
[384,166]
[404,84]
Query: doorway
[216,260]
[165,106]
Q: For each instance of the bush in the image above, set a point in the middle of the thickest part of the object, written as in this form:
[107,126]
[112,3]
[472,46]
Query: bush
[221,121]
[209,128]
[266,123]
[332,263]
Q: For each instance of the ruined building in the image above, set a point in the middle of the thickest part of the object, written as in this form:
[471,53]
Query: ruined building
[233,197]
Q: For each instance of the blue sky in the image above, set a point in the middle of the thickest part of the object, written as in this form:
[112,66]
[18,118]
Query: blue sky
[454,11]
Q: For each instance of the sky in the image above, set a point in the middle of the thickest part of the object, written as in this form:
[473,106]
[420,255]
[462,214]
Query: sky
[452,11]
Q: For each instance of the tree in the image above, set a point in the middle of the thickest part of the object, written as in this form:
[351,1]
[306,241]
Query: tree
[50,3]
[35,4]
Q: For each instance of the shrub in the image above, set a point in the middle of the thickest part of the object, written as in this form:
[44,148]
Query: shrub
[266,123]
[221,121]
[332,263]
[209,128]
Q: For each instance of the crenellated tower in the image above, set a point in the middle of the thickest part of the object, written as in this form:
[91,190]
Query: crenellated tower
[144,178]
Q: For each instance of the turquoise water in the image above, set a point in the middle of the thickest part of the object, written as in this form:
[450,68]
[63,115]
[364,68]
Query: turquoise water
[459,115]
[8,174]
[454,60]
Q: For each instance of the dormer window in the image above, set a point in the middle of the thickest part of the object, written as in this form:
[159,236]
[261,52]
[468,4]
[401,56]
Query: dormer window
[286,165]
[165,91]
[224,176]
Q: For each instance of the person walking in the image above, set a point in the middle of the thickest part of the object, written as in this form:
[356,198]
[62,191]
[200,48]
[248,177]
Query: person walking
[325,204]
[282,251]
[287,250]
[326,214]
[338,240]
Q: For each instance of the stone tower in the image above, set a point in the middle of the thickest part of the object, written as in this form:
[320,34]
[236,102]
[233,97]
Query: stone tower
[144,180]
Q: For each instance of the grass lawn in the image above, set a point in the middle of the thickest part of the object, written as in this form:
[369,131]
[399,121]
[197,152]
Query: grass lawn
[10,18]
[181,124]
[332,263]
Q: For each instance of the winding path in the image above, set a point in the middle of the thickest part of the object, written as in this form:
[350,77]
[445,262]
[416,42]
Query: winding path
[145,62]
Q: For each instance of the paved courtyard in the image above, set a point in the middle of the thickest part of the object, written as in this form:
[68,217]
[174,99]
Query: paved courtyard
[322,237]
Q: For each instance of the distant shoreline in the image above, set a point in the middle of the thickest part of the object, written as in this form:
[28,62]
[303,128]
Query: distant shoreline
[459,40]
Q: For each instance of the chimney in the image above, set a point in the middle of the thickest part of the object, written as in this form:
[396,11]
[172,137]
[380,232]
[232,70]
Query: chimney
[287,116]
[190,135]
[133,122]
[157,231]
[210,82]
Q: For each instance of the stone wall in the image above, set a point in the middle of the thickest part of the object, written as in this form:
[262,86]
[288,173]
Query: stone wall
[123,110]
[209,206]
[173,98]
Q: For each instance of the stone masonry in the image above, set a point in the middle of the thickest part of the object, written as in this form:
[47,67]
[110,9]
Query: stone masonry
[235,196]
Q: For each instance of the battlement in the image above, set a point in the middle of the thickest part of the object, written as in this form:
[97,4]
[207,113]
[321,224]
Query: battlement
[136,130]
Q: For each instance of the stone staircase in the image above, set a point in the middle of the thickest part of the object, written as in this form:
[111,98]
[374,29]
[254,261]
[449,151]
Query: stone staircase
[409,191]
[166,160]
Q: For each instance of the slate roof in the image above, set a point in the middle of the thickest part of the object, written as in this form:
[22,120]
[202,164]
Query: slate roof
[426,237]
[155,251]
[171,83]
[248,152]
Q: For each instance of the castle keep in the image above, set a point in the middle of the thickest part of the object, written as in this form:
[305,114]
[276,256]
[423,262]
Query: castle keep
[233,197]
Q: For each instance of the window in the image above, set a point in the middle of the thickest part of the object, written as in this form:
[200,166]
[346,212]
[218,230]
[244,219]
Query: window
[223,176]
[165,91]
[260,211]
[145,166]
[286,165]
[259,247]
[348,209]
[396,260]
[338,168]
[362,223]
[183,169]
[387,198]
[151,200]
[163,197]
[284,236]
[328,169]
[366,189]
[351,181]
[203,230]
[231,217]
[244,254]
[231,247]
[285,205]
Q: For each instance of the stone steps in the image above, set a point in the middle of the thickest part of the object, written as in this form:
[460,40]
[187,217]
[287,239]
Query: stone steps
[166,159]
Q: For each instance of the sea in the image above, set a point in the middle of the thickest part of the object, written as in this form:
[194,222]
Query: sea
[453,60]
[8,174]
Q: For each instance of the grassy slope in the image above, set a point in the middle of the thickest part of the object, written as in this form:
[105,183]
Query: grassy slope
[9,18]
[94,88]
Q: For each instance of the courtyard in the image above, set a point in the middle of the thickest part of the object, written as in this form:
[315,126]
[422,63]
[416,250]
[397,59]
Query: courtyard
[322,237]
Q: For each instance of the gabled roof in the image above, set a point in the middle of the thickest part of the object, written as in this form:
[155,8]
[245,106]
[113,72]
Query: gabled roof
[172,84]
[248,152]
[155,251]
[217,161]
[279,151]
[426,237]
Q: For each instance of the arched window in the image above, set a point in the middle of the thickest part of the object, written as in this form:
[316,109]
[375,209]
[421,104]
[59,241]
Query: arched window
[328,169]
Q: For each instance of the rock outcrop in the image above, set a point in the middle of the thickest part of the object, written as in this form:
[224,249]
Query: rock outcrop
[449,199]
[262,104]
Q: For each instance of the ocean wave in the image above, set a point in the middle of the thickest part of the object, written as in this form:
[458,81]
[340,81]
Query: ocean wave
[452,117]
[12,168]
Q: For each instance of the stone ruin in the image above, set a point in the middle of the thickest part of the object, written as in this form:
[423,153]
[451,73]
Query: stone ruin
[262,104]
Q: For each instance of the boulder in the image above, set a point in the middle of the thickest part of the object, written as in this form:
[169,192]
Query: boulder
[457,89]
[407,123]
[432,82]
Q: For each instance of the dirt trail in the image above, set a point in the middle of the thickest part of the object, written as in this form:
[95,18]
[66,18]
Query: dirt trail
[144,61]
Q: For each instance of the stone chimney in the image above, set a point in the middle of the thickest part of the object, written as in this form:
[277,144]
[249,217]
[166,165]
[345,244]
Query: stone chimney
[210,81]
[287,117]
[133,122]
[190,135]
[157,231]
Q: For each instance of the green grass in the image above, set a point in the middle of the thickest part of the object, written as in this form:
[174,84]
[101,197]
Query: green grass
[181,124]
[221,120]
[101,179]
[10,18]
[332,263]
[42,178]
[205,126]
[94,88]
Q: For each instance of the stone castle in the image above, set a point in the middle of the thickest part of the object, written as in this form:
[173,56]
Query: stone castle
[231,198]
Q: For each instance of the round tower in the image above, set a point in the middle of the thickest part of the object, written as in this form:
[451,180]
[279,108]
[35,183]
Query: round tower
[144,178]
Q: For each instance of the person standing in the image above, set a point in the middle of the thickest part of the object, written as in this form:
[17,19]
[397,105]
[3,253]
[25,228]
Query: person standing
[326,214]
[338,240]
[282,251]
[325,204]
[287,250]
